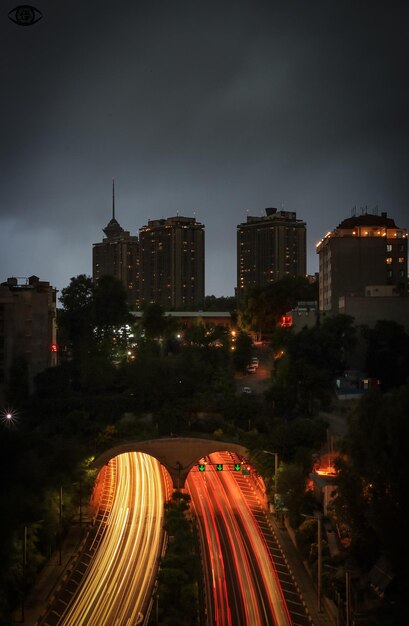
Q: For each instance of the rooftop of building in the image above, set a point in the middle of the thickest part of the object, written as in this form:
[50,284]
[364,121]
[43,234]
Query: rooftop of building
[273,214]
[364,225]
[177,220]
[113,230]
[19,282]
[368,219]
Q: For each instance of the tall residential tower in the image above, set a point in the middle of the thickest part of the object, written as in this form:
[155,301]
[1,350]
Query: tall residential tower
[118,255]
[269,248]
[172,262]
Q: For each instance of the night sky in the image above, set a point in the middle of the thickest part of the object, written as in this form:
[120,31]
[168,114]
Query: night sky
[213,109]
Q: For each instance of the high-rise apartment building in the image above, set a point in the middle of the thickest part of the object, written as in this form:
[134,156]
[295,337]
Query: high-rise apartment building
[364,256]
[171,256]
[118,255]
[27,327]
[269,248]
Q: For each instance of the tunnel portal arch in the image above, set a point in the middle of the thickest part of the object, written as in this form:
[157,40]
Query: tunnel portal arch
[177,454]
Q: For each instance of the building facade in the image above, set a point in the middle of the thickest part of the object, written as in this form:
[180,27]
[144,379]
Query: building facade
[118,255]
[172,258]
[361,252]
[27,326]
[270,248]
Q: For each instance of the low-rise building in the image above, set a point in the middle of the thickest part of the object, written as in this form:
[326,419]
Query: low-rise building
[304,315]
[378,303]
[27,326]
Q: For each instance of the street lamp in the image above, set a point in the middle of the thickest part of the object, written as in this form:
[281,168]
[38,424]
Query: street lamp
[8,416]
[318,518]
[60,528]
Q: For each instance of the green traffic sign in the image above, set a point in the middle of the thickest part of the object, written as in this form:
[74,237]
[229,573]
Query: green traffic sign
[237,467]
[219,467]
[201,467]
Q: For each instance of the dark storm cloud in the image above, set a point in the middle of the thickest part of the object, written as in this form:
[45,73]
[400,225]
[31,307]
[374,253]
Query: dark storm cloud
[216,108]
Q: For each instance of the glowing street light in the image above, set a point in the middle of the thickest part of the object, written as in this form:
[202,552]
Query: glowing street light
[8,416]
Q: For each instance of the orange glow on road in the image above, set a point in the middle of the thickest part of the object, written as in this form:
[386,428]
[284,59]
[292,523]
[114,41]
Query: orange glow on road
[121,576]
[245,589]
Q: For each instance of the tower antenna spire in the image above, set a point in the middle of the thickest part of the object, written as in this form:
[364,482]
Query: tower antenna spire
[113,198]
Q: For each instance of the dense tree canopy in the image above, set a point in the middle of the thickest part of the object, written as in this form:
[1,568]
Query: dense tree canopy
[242,352]
[90,321]
[304,376]
[387,354]
[372,496]
[262,307]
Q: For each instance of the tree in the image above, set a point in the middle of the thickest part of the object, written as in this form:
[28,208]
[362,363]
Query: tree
[222,303]
[76,318]
[372,496]
[304,377]
[291,485]
[110,304]
[153,320]
[387,354]
[242,353]
[92,318]
[262,307]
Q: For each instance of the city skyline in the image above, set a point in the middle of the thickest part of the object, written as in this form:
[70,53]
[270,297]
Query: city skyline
[215,110]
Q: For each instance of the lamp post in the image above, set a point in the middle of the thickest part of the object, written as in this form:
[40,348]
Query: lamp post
[318,518]
[23,595]
[348,597]
[60,528]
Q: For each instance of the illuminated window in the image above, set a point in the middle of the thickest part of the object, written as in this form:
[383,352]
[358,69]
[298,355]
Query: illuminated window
[389,260]
[401,259]
[389,247]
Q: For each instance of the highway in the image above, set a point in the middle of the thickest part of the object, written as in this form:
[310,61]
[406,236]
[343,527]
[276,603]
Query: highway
[121,575]
[244,590]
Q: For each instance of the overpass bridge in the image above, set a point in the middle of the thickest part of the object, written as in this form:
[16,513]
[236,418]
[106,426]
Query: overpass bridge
[177,454]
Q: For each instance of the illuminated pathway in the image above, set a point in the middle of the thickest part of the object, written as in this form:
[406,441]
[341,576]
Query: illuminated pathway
[119,582]
[245,590]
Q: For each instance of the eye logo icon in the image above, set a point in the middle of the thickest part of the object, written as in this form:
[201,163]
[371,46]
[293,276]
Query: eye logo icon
[25,15]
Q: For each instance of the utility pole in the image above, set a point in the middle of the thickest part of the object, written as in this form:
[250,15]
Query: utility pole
[348,597]
[319,585]
[60,530]
[23,595]
[275,454]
